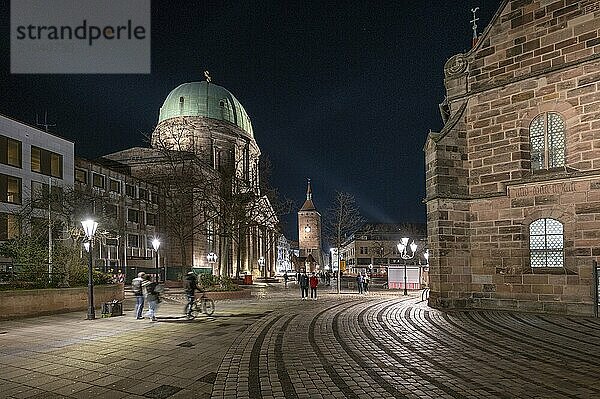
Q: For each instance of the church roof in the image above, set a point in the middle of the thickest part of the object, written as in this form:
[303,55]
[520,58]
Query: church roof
[207,100]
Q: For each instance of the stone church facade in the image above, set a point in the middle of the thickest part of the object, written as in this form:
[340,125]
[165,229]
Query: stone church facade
[513,177]
[205,160]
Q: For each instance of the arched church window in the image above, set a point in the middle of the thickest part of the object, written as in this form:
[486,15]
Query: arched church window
[547,141]
[546,243]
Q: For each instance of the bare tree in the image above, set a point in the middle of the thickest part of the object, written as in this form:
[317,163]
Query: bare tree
[343,219]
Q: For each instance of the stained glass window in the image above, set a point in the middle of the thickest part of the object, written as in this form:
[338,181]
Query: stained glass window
[546,243]
[547,140]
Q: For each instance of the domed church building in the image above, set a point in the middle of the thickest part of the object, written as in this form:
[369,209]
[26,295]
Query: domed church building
[205,159]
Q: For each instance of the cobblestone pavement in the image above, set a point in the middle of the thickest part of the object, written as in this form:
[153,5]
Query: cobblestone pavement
[382,345]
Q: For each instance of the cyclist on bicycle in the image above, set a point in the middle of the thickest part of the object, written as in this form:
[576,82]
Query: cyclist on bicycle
[190,284]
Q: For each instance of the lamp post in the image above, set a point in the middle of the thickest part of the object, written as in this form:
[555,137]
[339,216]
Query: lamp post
[403,249]
[156,245]
[89,227]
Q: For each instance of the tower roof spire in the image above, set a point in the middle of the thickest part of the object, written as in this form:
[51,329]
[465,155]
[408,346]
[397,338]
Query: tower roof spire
[308,204]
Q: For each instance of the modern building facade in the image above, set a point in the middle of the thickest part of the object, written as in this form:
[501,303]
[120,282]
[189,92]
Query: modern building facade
[126,209]
[513,177]
[205,159]
[374,249]
[31,161]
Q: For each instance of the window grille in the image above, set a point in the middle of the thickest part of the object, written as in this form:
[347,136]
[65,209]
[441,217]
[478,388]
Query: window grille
[546,243]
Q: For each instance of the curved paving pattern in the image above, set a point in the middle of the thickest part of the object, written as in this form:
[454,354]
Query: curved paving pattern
[378,347]
[277,346]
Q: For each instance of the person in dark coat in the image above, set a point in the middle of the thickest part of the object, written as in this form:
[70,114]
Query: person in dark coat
[359,283]
[303,281]
[190,284]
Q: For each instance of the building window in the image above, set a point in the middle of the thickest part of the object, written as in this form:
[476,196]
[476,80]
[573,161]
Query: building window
[98,180]
[143,194]
[547,140]
[133,215]
[154,197]
[114,186]
[10,189]
[130,190]
[546,243]
[133,240]
[9,226]
[10,151]
[46,162]
[150,219]
[81,176]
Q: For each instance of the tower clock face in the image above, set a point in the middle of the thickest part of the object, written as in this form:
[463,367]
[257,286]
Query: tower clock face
[307,229]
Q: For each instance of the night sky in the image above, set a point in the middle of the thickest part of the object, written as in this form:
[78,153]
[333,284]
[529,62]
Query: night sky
[343,93]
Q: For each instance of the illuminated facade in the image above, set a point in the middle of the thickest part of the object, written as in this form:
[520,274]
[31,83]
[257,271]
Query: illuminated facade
[309,231]
[202,126]
[513,177]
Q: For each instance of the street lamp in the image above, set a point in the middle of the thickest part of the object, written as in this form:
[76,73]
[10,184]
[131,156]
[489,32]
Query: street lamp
[156,245]
[403,249]
[89,227]
[261,264]
[211,257]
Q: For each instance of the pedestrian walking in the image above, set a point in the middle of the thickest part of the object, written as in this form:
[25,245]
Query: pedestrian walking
[153,297]
[328,278]
[313,282]
[190,284]
[366,280]
[304,285]
[136,287]
[285,278]
[359,283]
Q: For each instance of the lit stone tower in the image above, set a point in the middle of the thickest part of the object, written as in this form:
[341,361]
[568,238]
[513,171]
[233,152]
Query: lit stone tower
[309,229]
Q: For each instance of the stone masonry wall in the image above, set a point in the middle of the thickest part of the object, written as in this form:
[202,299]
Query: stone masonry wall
[536,56]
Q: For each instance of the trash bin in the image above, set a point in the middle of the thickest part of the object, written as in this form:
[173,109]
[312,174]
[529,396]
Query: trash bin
[248,279]
[114,308]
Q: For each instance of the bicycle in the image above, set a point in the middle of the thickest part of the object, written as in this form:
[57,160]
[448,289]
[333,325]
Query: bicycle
[201,305]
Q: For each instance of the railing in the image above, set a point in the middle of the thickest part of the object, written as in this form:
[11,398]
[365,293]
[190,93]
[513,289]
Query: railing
[596,274]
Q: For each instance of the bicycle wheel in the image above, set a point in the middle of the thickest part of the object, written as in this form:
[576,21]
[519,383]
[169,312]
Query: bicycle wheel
[195,310]
[208,306]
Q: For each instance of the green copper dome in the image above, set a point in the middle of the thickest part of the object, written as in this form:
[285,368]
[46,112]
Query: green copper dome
[208,100]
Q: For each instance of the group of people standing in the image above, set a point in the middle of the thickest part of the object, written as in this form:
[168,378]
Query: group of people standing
[362,283]
[144,289]
[305,282]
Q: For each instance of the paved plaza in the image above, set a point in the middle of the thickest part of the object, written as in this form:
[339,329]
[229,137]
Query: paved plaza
[381,345]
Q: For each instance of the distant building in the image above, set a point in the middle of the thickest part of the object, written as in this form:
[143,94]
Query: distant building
[374,248]
[513,177]
[309,232]
[284,255]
